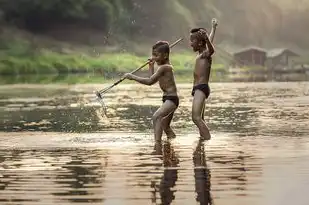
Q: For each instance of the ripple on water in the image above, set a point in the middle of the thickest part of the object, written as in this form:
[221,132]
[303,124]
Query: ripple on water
[258,153]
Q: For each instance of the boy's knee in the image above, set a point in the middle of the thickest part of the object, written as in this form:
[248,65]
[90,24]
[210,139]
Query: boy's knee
[166,127]
[156,118]
[196,118]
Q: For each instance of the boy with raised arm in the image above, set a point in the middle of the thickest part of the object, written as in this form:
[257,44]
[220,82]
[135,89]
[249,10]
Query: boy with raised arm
[214,24]
[201,43]
[165,76]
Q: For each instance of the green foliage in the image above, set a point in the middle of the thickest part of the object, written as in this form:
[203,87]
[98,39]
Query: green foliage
[20,58]
[40,15]
[241,23]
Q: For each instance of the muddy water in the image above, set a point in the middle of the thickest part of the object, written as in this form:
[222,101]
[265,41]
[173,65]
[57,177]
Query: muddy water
[57,147]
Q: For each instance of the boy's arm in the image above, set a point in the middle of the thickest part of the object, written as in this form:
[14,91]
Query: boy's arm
[147,81]
[210,48]
[214,23]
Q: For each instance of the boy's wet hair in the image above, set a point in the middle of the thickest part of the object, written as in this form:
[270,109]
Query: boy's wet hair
[195,30]
[199,37]
[162,47]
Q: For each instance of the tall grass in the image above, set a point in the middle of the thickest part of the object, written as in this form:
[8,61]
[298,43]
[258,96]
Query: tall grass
[19,58]
[24,62]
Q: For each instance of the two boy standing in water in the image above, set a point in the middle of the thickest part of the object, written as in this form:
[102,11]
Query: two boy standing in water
[200,43]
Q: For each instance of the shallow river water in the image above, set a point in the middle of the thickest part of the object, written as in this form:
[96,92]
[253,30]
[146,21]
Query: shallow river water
[57,147]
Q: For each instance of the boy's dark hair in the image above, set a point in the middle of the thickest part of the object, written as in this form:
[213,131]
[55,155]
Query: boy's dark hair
[195,30]
[162,47]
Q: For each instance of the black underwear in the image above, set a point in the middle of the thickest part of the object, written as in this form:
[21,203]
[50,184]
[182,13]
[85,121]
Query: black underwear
[174,99]
[202,87]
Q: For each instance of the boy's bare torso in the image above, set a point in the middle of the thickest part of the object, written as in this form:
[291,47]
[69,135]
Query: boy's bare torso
[202,70]
[167,81]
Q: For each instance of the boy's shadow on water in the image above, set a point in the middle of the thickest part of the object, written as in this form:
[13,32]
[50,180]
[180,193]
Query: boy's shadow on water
[170,174]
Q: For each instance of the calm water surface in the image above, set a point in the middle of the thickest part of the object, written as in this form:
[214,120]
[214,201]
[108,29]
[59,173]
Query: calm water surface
[57,147]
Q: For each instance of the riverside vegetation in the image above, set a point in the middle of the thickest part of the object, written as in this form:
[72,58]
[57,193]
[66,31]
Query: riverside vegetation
[109,37]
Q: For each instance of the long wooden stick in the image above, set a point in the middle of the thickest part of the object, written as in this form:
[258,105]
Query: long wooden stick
[100,92]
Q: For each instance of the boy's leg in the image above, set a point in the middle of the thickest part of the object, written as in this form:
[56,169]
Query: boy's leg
[203,111]
[166,126]
[167,108]
[158,148]
[197,107]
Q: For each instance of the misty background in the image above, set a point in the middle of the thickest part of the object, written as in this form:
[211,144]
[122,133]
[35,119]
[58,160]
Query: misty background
[266,23]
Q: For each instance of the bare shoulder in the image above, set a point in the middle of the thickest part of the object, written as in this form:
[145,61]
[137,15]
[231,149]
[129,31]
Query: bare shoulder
[198,58]
[166,67]
[203,57]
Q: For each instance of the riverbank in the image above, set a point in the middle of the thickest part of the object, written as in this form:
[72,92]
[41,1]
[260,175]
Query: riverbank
[49,62]
[42,61]
[52,67]
[24,62]
[21,57]
[183,77]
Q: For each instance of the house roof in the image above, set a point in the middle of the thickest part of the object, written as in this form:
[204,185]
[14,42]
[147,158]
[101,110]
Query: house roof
[250,48]
[278,51]
[232,50]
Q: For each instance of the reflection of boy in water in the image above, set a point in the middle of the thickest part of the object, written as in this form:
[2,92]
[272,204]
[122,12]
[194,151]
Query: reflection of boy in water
[201,175]
[164,74]
[170,174]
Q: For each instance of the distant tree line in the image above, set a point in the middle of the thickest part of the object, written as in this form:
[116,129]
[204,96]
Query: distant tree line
[38,15]
[244,22]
